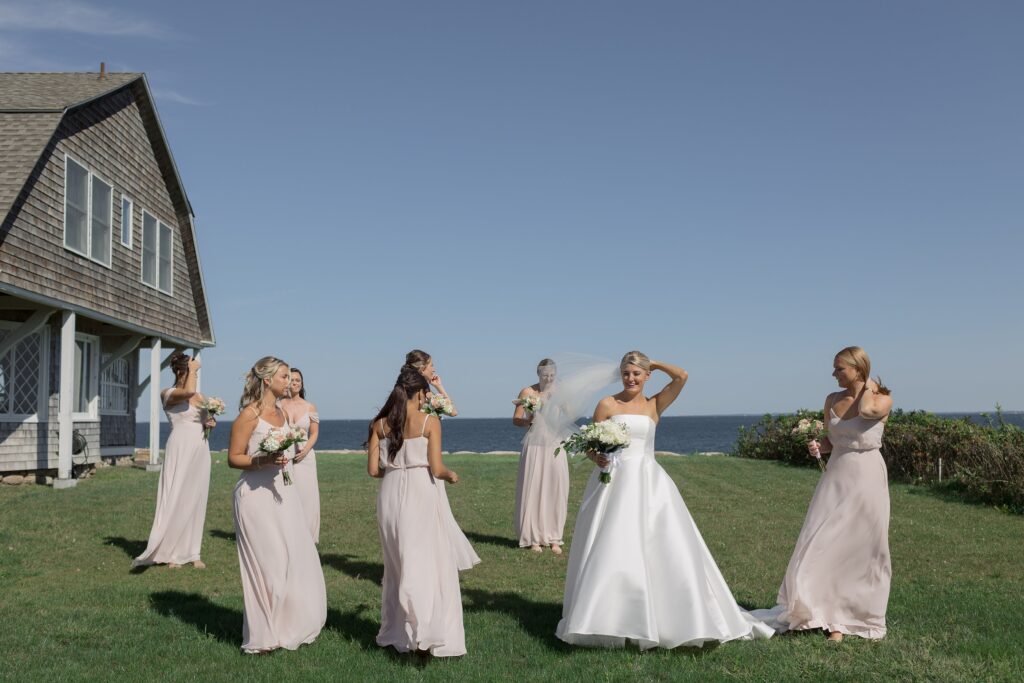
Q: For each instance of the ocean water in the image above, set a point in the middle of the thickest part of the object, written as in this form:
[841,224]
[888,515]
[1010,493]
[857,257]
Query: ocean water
[686,434]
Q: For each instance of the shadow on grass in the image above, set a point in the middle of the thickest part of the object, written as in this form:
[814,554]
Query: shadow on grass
[354,567]
[220,533]
[222,623]
[539,619]
[131,548]
[500,541]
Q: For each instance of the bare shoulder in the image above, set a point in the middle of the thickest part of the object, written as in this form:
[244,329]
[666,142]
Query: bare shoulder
[248,415]
[311,407]
[527,391]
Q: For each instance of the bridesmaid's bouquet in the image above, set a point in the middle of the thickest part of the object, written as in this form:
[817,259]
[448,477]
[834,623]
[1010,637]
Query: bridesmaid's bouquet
[213,407]
[281,438]
[530,404]
[438,405]
[805,432]
[606,437]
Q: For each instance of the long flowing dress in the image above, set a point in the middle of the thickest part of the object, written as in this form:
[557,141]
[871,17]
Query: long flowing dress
[542,489]
[184,486]
[838,577]
[424,549]
[639,569]
[304,474]
[282,581]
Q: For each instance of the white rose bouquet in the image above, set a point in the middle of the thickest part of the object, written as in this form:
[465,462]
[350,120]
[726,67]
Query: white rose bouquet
[530,403]
[437,404]
[277,440]
[805,432]
[213,407]
[606,437]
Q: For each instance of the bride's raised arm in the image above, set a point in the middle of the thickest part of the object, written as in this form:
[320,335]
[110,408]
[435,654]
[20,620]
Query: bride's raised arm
[664,398]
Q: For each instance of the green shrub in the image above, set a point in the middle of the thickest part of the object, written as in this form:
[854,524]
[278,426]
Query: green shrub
[984,461]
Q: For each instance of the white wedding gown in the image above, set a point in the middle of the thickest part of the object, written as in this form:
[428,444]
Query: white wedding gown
[639,569]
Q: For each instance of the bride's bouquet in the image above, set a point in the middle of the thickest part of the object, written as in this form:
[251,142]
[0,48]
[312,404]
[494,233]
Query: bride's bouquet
[530,403]
[606,437]
[805,432]
[281,438]
[438,405]
[213,407]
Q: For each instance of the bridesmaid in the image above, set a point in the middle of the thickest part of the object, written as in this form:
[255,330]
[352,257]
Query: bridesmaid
[423,547]
[424,364]
[542,487]
[282,582]
[302,413]
[838,577]
[177,533]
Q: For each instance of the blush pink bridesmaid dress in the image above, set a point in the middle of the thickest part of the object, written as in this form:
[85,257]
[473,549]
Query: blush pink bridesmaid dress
[838,577]
[304,475]
[177,533]
[424,550]
[542,489]
[282,581]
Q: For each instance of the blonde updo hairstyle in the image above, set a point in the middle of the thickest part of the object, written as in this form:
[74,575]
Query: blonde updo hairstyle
[857,358]
[637,358]
[255,386]
[546,363]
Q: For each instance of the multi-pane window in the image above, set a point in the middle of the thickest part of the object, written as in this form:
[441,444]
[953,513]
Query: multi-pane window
[88,212]
[114,387]
[157,254]
[21,376]
[127,208]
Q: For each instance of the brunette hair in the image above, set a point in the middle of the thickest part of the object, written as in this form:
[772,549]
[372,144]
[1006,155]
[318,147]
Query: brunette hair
[179,361]
[254,389]
[302,391]
[547,362]
[409,383]
[417,359]
[856,357]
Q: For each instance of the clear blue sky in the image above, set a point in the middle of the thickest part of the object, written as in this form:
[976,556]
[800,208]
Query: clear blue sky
[741,188]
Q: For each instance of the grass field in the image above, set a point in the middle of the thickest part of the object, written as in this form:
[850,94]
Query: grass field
[71,610]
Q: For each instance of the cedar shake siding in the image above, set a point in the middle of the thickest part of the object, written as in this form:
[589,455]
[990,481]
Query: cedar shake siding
[109,126]
[110,138]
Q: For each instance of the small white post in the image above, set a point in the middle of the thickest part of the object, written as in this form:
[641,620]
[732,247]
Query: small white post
[154,406]
[199,375]
[65,401]
[940,469]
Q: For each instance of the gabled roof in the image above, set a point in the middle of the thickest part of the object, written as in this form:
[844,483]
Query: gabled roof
[32,106]
[26,92]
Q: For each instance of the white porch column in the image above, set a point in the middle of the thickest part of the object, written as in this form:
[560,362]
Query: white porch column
[65,401]
[199,375]
[154,406]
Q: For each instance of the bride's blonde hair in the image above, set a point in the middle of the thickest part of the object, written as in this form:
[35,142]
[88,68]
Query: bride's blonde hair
[857,358]
[254,389]
[637,358]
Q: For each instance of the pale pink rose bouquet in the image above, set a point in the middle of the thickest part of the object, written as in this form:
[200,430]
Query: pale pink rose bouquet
[805,432]
[530,403]
[213,407]
[607,437]
[438,405]
[280,438]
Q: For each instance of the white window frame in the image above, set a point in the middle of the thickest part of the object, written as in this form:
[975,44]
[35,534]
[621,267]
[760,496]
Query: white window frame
[131,220]
[42,393]
[156,259]
[88,213]
[127,386]
[93,413]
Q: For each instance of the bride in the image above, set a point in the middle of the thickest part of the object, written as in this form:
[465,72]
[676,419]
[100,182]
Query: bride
[638,568]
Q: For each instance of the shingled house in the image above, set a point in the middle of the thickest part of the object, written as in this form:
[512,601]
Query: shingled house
[98,260]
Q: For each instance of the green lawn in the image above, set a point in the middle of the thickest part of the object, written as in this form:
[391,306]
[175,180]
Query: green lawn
[71,610]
